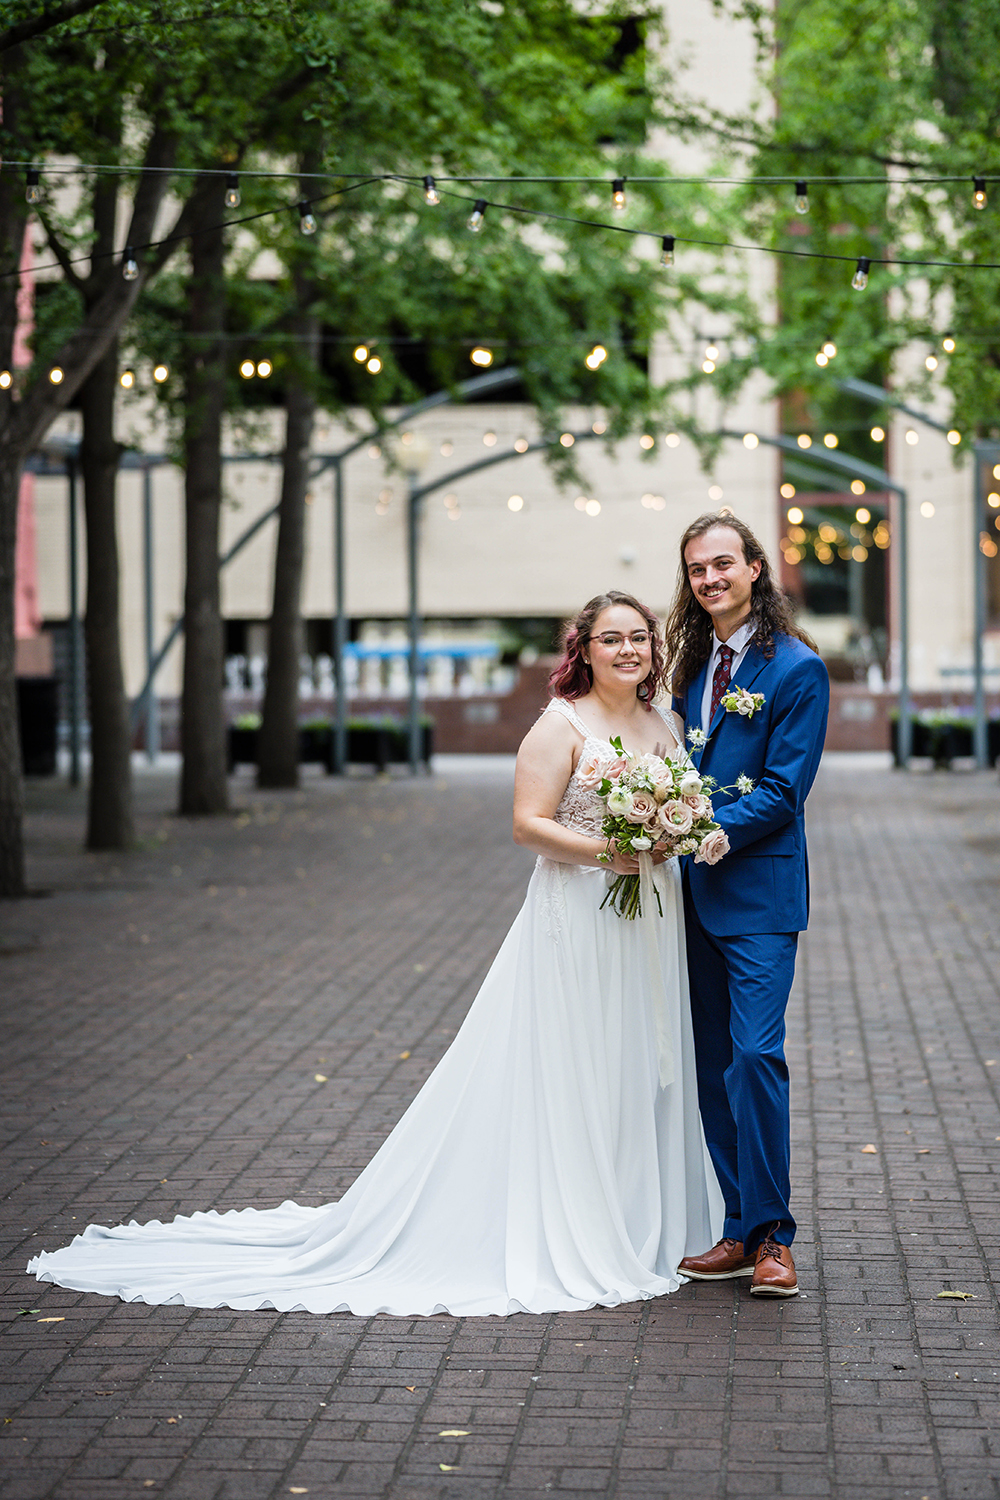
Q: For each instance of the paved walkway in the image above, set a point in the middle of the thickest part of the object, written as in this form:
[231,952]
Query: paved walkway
[239,1012]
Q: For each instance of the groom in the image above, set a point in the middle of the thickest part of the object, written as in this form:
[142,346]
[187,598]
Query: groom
[731,629]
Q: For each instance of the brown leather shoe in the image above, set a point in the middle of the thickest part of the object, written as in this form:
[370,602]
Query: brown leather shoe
[724,1261]
[774,1271]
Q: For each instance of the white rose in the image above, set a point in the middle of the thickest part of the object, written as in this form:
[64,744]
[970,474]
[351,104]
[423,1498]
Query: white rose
[642,843]
[619,802]
[690,784]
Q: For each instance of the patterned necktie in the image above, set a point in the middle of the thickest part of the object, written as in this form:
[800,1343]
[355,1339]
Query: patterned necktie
[720,681]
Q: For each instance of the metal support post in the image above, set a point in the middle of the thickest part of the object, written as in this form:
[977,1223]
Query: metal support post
[980,741]
[414,503]
[75,653]
[903,587]
[152,705]
[339,622]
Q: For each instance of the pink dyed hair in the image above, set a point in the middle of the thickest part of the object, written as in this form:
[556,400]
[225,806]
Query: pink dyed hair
[572,677]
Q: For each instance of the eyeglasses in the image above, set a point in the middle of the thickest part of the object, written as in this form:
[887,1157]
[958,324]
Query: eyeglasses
[612,640]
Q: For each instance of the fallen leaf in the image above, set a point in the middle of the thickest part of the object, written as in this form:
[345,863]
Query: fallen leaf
[924,1151]
[52,1320]
[454,1432]
[297,1489]
[172,1421]
[26,1312]
[403,1056]
[411,1387]
[447,1468]
[959,1296]
[320,1078]
[870,1150]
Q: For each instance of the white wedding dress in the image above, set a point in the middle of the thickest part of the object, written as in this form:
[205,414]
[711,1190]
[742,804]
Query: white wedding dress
[542,1167]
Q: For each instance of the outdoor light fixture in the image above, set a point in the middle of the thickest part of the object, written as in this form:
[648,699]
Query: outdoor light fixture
[247,369]
[160,373]
[618,193]
[596,357]
[264,368]
[56,375]
[374,365]
[232,190]
[822,359]
[878,434]
[667,257]
[948,344]
[130,266]
[32,190]
[860,278]
[431,196]
[307,220]
[711,352]
[361,353]
[802,197]
[6,380]
[750,440]
[804,440]
[126,379]
[954,437]
[829,349]
[830,440]
[481,357]
[930,363]
[477,215]
[979,192]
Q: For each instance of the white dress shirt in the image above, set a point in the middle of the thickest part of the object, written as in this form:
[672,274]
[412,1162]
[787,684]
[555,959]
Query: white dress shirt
[738,642]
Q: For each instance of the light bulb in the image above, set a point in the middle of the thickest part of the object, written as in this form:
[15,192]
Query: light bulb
[829,349]
[481,357]
[860,278]
[930,363]
[979,192]
[711,352]
[248,369]
[822,359]
[477,215]
[232,190]
[307,221]
[361,353]
[667,258]
[431,196]
[618,193]
[374,365]
[32,191]
[126,379]
[264,368]
[6,380]
[878,434]
[802,197]
[130,266]
[160,373]
[56,375]
[948,344]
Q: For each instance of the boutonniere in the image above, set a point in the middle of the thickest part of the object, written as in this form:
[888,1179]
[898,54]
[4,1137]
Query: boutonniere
[739,701]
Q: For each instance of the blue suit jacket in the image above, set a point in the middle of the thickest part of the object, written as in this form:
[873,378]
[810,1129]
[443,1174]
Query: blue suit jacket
[762,884]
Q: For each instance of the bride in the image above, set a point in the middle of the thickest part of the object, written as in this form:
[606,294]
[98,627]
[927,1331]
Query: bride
[546,1164]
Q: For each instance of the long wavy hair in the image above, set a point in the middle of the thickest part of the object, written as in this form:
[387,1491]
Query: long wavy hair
[572,677]
[690,628]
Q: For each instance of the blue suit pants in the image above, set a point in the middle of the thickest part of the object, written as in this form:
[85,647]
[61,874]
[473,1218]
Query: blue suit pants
[739,991]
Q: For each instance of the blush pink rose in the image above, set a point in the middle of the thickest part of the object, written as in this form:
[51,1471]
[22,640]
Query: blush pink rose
[675,816]
[699,805]
[713,847]
[643,808]
[592,769]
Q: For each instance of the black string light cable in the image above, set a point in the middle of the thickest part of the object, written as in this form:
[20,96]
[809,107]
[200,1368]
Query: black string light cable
[480,206]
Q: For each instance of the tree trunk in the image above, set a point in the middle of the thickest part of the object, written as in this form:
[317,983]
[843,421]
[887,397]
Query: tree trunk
[110,822]
[278,742]
[12,881]
[203,730]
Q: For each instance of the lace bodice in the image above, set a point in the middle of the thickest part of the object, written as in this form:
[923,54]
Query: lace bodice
[580,808]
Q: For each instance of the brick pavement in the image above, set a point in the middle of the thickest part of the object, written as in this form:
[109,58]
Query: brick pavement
[165,1019]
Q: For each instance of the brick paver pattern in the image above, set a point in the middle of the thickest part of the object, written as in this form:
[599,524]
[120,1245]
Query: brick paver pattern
[239,1012]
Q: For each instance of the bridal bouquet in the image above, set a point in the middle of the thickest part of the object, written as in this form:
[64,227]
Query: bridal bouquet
[653,803]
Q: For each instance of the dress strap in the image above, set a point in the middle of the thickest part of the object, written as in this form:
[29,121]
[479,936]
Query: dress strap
[672,722]
[564,707]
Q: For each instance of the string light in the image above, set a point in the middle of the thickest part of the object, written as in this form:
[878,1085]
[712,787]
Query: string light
[667,258]
[863,514]
[795,516]
[160,373]
[126,379]
[802,197]
[647,441]
[264,368]
[672,440]
[596,427]
[516,502]
[830,349]
[860,278]
[804,440]
[948,344]
[596,357]
[32,191]
[521,445]
[618,193]
[233,196]
[750,440]
[374,365]
[248,369]
[927,509]
[912,437]
[490,439]
[858,488]
[477,215]
[56,375]
[482,357]
[878,434]
[979,192]
[593,507]
[130,266]
[930,363]
[954,437]
[307,219]
[787,491]
[822,359]
[830,440]
[566,440]
[711,352]
[708,366]
[431,195]
[361,353]
[6,380]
